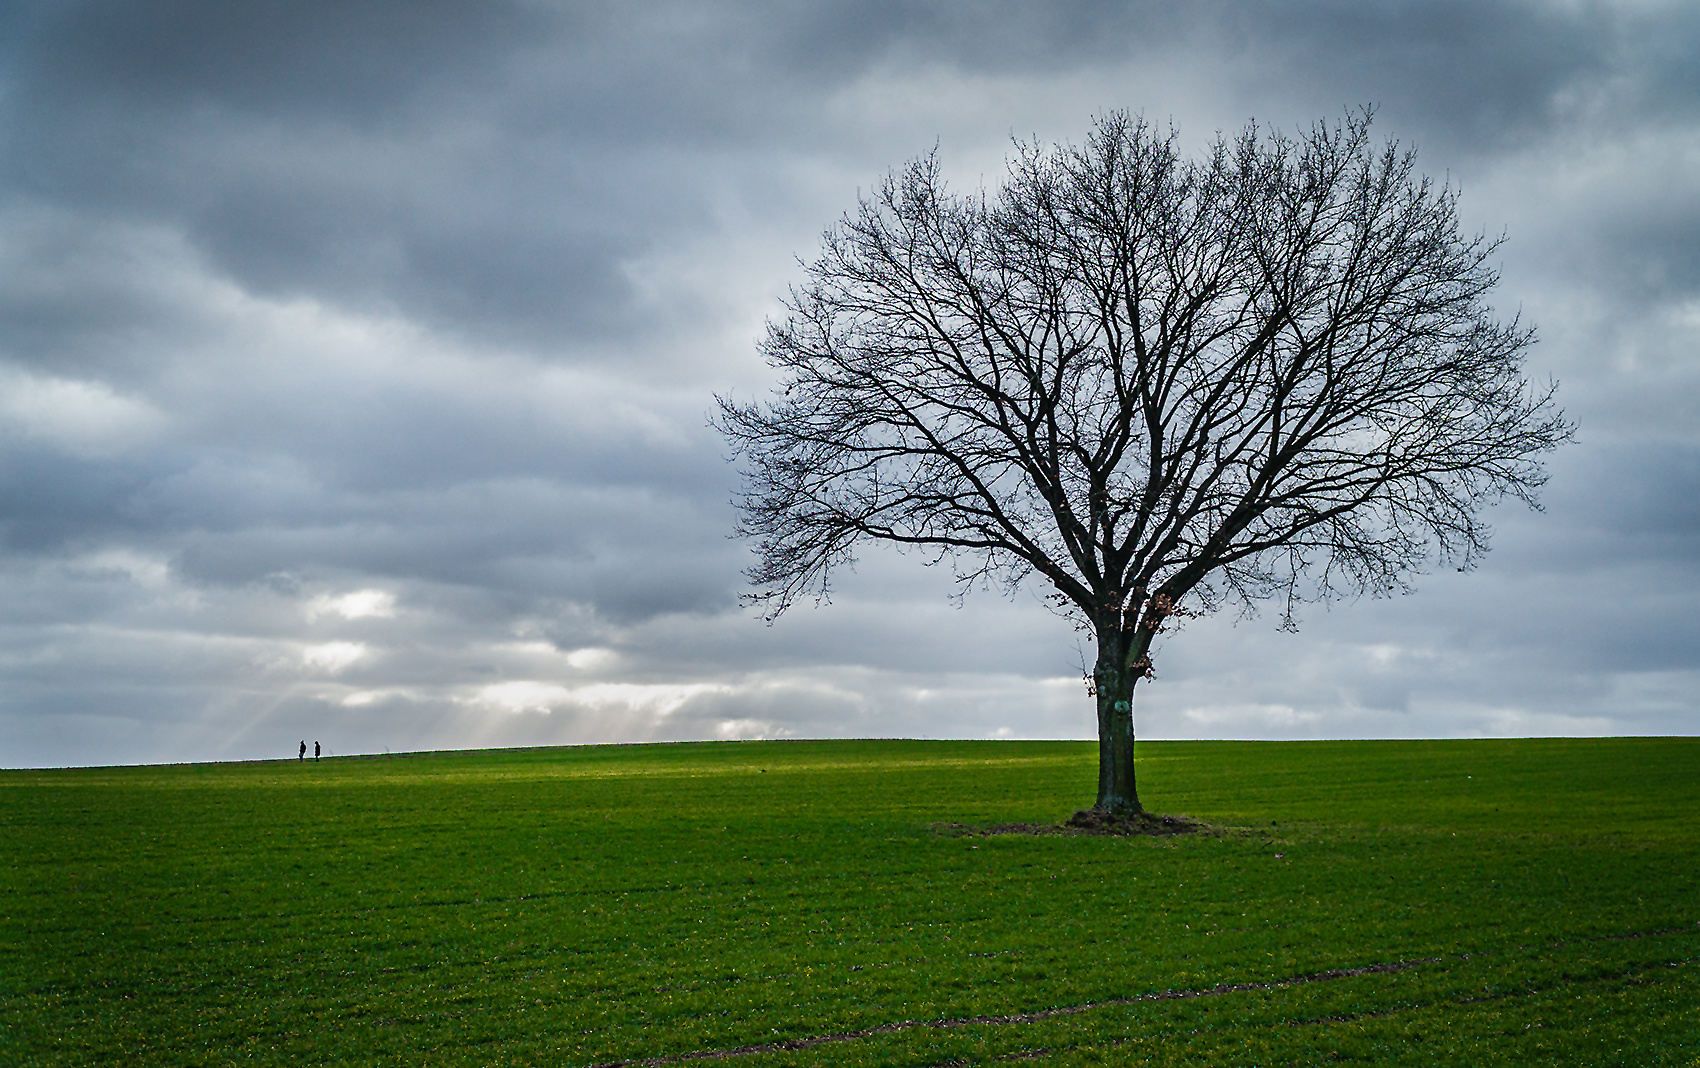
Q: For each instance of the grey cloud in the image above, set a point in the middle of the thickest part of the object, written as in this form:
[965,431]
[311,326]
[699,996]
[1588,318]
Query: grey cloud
[1665,235]
[1452,74]
[1613,210]
[629,552]
[912,630]
[345,60]
[247,130]
[49,501]
[243,149]
[1632,492]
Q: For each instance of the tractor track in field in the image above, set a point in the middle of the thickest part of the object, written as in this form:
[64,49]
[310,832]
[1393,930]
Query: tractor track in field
[1073,1010]
[1009,1018]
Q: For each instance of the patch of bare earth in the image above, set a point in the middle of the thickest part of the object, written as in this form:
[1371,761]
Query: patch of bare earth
[1088,821]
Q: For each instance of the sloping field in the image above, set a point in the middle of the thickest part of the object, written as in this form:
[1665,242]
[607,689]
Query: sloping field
[1484,902]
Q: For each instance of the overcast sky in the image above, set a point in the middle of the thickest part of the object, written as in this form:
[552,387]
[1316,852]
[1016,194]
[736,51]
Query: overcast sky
[356,357]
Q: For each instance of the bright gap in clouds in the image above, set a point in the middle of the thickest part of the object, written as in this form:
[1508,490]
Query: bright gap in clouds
[333,657]
[361,604]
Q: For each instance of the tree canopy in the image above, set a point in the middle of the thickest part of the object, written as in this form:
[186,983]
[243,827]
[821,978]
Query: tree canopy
[1162,384]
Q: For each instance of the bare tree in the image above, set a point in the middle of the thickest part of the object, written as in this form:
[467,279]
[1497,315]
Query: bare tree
[1162,384]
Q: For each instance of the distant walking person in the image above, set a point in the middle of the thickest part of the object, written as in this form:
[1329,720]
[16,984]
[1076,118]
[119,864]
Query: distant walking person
[303,754]
[315,750]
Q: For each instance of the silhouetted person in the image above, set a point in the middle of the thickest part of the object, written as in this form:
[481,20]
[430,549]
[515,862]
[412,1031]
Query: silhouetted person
[303,754]
[315,751]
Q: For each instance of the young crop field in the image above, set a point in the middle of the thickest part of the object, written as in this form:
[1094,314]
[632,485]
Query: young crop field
[1518,902]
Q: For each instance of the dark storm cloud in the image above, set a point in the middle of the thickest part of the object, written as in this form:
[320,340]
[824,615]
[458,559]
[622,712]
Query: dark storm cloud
[1450,74]
[493,165]
[347,60]
[354,150]
[49,501]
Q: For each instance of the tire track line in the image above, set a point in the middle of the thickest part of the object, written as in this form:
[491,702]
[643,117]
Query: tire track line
[1010,1018]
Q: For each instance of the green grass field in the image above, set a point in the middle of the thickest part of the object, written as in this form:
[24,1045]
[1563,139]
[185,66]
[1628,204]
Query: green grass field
[1450,903]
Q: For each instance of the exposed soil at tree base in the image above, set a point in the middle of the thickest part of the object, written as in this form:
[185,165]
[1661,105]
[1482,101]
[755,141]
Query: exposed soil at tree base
[1088,822]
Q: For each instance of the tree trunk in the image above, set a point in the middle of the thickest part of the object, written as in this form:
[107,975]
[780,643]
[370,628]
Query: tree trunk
[1114,678]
